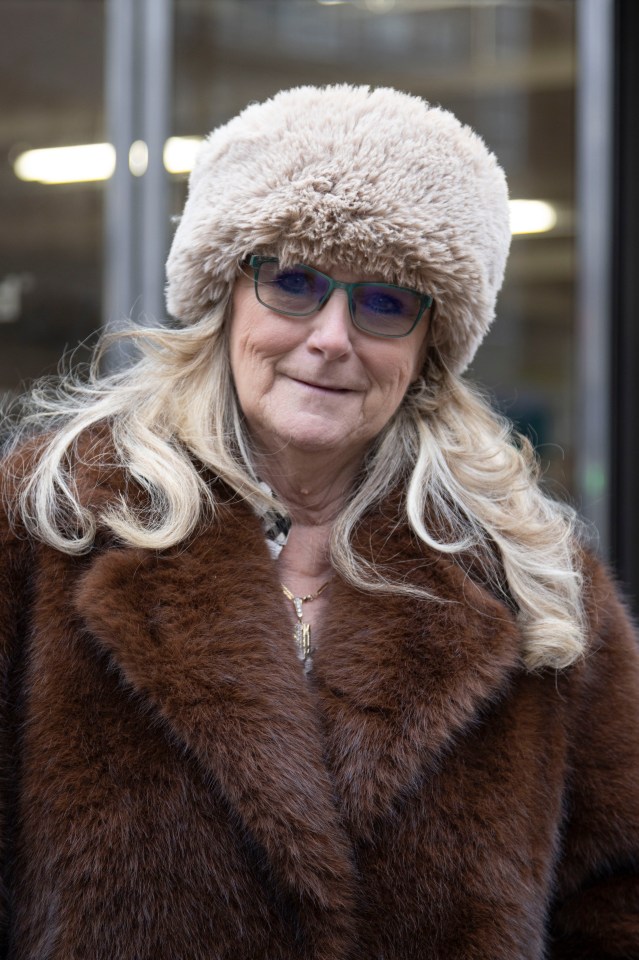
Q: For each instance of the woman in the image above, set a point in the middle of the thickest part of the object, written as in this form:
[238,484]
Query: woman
[298,661]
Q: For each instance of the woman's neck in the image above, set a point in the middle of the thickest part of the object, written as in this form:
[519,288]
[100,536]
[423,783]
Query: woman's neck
[313,489]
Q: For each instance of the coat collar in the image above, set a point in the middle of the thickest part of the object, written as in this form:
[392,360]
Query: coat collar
[201,634]
[407,676]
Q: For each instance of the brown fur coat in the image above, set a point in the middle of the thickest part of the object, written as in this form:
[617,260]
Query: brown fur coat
[174,788]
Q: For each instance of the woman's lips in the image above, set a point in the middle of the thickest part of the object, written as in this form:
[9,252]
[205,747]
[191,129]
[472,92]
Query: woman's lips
[324,387]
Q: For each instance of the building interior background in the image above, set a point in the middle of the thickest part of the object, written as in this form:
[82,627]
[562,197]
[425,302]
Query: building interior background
[509,69]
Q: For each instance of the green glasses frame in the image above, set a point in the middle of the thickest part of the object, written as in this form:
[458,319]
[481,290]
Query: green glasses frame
[425,300]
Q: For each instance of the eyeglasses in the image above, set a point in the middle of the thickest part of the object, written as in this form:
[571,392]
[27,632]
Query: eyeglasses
[382,309]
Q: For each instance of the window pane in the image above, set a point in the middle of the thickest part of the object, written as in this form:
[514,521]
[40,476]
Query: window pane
[51,239]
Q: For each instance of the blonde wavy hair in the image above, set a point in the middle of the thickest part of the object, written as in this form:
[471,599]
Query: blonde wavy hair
[173,411]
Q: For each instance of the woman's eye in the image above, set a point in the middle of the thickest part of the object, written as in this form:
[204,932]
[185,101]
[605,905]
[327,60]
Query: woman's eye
[383,303]
[294,281]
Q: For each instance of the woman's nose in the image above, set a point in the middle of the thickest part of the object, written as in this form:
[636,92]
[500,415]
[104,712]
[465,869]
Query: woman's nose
[331,328]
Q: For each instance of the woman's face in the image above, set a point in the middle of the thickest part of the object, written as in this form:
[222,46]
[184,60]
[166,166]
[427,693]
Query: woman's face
[317,383]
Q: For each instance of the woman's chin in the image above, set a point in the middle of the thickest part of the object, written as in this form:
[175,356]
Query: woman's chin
[318,442]
[314,438]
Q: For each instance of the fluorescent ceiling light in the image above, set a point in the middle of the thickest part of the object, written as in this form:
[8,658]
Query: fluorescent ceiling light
[80,164]
[138,158]
[532,216]
[96,161]
[180,153]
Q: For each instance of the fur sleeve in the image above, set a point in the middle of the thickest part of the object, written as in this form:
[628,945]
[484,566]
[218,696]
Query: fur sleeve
[597,910]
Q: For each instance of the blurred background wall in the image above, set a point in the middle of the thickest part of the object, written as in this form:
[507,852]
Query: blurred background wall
[132,85]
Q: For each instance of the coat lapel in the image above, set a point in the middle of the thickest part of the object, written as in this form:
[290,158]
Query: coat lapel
[201,633]
[399,678]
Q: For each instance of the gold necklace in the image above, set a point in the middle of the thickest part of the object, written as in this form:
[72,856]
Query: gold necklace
[302,631]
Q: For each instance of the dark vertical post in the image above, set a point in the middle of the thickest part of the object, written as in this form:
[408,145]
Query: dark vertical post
[625,380]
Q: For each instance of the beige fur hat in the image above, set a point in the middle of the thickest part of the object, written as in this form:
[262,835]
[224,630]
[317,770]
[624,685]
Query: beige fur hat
[377,181]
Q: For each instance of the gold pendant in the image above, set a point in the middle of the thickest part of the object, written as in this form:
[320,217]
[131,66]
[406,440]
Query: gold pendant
[302,631]
[303,638]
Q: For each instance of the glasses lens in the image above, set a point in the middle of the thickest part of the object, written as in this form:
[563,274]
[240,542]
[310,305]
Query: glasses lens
[385,310]
[296,291]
